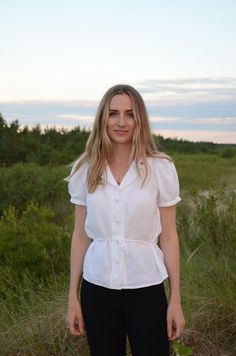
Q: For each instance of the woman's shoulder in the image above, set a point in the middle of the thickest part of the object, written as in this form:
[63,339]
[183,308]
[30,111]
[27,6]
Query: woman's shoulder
[77,183]
[164,169]
[78,168]
[162,163]
[167,181]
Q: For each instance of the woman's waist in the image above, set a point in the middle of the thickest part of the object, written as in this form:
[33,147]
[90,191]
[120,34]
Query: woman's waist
[124,240]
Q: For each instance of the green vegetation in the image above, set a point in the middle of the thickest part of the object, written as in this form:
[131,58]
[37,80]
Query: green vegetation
[36,222]
[48,147]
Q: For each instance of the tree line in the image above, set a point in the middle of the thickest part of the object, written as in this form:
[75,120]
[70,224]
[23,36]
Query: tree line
[53,146]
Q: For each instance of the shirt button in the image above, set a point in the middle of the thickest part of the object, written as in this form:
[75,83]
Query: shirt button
[118,221]
[117,200]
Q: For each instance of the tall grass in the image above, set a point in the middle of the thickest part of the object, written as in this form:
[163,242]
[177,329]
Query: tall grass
[208,272]
[35,324]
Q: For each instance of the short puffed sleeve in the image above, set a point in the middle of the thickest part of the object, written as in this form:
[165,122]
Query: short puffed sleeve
[168,182]
[77,185]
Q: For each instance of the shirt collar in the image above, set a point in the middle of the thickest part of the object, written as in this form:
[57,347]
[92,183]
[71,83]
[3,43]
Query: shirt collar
[128,178]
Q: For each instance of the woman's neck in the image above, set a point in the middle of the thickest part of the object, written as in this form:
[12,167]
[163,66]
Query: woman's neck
[120,153]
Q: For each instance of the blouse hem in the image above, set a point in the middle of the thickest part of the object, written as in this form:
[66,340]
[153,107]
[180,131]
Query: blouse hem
[77,202]
[98,283]
[169,203]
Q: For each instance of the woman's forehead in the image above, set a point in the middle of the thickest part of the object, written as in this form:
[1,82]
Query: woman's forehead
[120,100]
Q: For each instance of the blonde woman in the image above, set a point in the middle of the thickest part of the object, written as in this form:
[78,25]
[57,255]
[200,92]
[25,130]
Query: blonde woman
[125,192]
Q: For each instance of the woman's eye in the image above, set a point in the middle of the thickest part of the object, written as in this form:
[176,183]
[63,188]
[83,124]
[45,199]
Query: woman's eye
[114,114]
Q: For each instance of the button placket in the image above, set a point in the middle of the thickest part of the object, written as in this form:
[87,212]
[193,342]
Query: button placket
[117,212]
[115,270]
[117,232]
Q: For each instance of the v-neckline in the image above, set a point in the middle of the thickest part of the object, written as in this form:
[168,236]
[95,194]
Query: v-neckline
[126,173]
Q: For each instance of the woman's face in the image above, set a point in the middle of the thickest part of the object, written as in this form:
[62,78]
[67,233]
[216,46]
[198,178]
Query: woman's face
[121,123]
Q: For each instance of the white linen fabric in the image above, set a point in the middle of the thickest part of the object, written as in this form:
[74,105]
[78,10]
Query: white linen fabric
[124,223]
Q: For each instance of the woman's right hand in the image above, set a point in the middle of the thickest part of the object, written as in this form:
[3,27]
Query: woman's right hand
[74,318]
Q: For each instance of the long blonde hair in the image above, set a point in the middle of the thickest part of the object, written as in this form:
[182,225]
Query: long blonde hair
[98,146]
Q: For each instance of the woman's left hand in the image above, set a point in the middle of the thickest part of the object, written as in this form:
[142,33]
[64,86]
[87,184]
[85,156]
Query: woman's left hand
[175,320]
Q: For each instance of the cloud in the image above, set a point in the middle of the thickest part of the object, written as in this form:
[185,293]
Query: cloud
[171,108]
[164,119]
[212,87]
[217,121]
[192,109]
[63,120]
[75,117]
[214,121]
[186,105]
[199,135]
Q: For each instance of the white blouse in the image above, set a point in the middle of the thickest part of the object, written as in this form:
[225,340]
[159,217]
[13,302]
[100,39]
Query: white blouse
[124,223]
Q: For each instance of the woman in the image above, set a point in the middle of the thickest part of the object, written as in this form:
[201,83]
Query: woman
[125,193]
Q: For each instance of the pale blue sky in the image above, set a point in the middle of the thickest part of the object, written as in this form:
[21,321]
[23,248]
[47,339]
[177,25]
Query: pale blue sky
[175,52]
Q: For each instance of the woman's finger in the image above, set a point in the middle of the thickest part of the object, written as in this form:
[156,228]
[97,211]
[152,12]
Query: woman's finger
[169,327]
[78,326]
[75,329]
[180,329]
[81,325]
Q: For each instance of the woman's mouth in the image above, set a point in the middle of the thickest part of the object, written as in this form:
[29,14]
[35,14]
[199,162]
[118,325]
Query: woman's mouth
[121,132]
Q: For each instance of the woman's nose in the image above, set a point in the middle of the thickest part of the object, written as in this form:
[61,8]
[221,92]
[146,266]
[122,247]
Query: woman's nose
[121,120]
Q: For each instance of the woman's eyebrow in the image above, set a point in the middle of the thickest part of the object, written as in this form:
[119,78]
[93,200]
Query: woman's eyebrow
[129,110]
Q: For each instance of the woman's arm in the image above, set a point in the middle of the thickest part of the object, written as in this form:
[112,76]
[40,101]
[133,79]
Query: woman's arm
[79,245]
[169,244]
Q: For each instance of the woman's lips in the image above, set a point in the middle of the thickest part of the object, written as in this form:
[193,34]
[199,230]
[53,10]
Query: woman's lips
[121,132]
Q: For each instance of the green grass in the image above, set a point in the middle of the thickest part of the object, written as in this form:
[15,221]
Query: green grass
[201,172]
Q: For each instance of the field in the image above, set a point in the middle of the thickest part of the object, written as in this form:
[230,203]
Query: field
[36,226]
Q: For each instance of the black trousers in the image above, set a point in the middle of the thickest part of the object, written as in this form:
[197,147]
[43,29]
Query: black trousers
[110,315]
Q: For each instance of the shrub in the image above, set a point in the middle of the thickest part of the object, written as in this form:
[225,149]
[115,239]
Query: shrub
[32,245]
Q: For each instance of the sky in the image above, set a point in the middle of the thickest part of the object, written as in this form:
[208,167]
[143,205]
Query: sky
[58,58]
